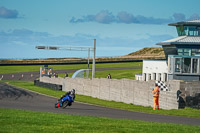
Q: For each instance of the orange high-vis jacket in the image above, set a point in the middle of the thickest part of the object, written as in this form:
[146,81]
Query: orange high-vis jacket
[43,72]
[156,91]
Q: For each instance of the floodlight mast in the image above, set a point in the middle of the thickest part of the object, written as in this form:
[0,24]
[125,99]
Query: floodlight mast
[94,56]
[76,49]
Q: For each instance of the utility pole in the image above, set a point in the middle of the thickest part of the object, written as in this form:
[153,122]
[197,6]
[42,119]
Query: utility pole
[94,56]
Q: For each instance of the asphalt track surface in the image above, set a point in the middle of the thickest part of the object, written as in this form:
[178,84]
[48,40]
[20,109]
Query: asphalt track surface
[18,98]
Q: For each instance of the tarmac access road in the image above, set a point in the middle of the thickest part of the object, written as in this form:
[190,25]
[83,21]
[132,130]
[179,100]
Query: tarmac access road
[31,76]
[18,98]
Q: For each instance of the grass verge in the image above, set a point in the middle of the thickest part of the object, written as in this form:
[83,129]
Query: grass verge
[187,112]
[16,69]
[116,74]
[14,121]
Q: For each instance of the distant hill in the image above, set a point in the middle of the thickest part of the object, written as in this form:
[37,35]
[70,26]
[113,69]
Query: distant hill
[145,53]
[149,51]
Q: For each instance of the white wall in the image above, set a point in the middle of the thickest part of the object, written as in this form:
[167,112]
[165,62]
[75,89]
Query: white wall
[155,70]
[155,66]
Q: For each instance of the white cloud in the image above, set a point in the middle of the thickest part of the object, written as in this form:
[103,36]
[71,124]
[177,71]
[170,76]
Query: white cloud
[106,17]
[7,13]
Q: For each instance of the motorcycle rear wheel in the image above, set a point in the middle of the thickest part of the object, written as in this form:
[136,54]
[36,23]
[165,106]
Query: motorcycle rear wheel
[56,105]
[65,104]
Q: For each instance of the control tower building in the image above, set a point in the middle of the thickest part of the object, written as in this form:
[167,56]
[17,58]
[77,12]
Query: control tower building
[182,56]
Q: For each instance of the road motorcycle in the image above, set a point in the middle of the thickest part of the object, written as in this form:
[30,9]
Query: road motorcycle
[64,102]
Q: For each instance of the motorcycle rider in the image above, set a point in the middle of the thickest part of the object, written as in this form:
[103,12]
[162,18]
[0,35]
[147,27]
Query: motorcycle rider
[70,93]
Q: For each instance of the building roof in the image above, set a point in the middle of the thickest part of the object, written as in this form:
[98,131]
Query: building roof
[188,40]
[195,22]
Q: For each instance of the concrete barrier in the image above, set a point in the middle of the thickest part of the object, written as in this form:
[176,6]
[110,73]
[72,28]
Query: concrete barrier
[127,90]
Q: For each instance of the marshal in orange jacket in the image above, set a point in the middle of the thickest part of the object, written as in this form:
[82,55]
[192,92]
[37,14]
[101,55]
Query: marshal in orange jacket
[156,93]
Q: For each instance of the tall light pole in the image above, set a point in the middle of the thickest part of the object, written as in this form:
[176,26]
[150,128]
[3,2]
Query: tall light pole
[76,49]
[94,56]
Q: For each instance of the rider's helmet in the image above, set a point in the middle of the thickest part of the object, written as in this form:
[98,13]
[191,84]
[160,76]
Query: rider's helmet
[73,91]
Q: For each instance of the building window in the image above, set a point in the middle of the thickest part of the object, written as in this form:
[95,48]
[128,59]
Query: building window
[180,31]
[188,30]
[184,51]
[180,51]
[178,65]
[194,65]
[191,30]
[186,65]
[182,65]
[195,52]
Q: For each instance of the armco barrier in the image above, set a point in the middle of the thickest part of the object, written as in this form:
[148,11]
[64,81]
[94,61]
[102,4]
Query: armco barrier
[48,85]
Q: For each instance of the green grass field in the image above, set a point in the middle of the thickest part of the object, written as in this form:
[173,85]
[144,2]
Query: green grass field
[116,74]
[16,69]
[15,121]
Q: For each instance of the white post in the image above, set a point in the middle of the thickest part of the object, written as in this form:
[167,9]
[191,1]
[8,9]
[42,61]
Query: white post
[94,55]
[87,73]
[164,77]
[153,76]
[88,58]
[148,77]
[144,77]
[157,76]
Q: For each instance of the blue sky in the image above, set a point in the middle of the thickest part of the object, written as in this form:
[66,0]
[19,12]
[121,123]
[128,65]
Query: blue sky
[119,26]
